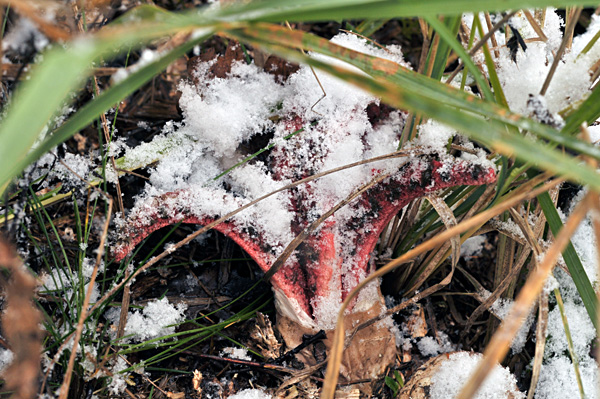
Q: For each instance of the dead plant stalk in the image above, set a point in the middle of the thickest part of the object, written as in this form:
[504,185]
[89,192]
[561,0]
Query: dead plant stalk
[500,342]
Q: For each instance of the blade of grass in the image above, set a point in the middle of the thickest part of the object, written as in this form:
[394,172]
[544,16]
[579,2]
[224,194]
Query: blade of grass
[370,26]
[317,10]
[540,343]
[450,39]
[588,111]
[491,66]
[580,278]
[389,76]
[563,315]
[492,132]
[443,50]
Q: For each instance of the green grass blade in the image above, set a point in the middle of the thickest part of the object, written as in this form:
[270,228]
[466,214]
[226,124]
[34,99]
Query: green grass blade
[491,66]
[443,51]
[450,39]
[572,354]
[318,10]
[588,112]
[370,26]
[580,278]
[485,122]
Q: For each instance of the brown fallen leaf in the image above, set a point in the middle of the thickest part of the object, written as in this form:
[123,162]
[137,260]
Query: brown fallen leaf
[263,337]
[196,381]
[416,324]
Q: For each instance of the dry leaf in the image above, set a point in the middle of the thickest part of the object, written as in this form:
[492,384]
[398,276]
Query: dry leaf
[196,381]
[367,355]
[416,324]
[264,338]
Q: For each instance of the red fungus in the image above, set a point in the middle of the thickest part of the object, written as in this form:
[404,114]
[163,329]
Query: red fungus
[312,283]
[317,261]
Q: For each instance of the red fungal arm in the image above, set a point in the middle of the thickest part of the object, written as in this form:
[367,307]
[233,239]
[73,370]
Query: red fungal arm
[289,279]
[416,179]
[310,274]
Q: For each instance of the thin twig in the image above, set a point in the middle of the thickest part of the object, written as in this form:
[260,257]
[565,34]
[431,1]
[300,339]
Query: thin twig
[568,36]
[488,22]
[481,42]
[534,24]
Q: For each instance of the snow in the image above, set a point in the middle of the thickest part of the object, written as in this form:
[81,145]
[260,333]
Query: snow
[20,36]
[156,320]
[571,81]
[429,346]
[454,373]
[6,358]
[236,353]
[118,382]
[472,246]
[147,57]
[557,379]
[251,394]
[434,135]
[64,284]
[224,112]
[580,325]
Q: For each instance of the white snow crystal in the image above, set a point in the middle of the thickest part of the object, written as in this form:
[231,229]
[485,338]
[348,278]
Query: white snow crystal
[472,246]
[557,379]
[236,353]
[571,81]
[454,373]
[429,346]
[251,394]
[6,358]
[156,320]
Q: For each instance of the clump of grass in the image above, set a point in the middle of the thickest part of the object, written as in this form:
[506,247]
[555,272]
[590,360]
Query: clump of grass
[526,151]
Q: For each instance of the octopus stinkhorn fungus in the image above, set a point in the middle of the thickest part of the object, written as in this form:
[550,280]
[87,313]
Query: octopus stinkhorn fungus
[351,126]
